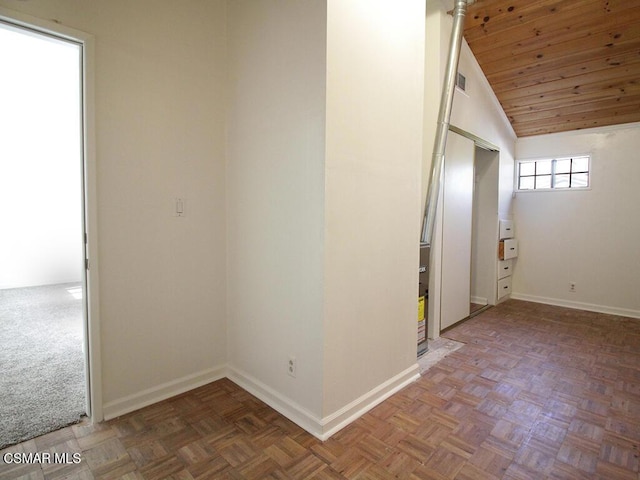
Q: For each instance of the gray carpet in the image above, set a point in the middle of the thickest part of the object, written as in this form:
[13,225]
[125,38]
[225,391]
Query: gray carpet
[42,384]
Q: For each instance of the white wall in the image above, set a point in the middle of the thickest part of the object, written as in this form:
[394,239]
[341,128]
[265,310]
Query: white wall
[375,85]
[275,184]
[40,165]
[478,111]
[160,118]
[589,237]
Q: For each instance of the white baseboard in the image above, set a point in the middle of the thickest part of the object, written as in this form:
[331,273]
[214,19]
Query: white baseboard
[479,300]
[327,426]
[161,392]
[290,409]
[624,312]
[321,428]
[347,414]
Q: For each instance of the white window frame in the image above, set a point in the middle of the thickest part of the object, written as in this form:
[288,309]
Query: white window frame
[553,159]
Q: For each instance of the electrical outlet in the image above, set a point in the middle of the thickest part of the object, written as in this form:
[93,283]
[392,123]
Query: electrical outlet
[292,367]
[572,286]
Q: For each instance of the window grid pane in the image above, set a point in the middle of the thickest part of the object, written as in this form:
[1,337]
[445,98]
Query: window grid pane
[527,168]
[543,181]
[580,164]
[579,180]
[561,180]
[543,167]
[526,183]
[549,174]
[563,165]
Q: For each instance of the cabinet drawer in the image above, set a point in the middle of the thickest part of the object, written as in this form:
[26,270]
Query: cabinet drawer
[504,287]
[508,249]
[505,268]
[506,229]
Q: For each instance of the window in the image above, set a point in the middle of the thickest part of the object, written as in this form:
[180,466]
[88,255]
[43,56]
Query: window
[553,173]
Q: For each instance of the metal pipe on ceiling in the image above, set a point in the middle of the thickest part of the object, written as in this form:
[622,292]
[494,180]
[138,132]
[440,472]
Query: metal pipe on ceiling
[444,116]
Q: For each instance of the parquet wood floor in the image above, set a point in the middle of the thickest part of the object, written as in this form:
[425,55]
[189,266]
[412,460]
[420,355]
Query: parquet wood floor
[537,392]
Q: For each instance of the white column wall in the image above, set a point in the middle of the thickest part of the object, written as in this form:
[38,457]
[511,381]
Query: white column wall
[375,87]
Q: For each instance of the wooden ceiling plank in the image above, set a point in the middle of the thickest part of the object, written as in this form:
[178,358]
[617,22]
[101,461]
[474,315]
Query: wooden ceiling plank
[568,125]
[607,115]
[483,16]
[557,128]
[627,61]
[618,55]
[566,45]
[566,15]
[563,98]
[546,27]
[606,78]
[569,52]
[551,110]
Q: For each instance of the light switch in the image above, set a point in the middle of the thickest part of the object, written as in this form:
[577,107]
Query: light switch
[180,207]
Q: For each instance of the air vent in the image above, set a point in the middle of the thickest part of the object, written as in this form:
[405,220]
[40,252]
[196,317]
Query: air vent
[461,82]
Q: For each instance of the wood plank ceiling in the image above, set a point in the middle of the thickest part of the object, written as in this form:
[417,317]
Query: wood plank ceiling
[559,65]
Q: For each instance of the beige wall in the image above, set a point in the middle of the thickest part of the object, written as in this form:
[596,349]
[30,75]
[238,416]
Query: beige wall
[323,187]
[159,115]
[275,184]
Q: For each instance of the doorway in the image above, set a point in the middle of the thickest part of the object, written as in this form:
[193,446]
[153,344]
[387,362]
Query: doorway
[484,229]
[463,275]
[43,298]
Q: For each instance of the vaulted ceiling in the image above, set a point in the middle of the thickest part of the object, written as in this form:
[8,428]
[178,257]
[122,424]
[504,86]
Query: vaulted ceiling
[559,65]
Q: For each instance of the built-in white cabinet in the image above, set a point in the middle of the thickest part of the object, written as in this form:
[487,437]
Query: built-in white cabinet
[507,251]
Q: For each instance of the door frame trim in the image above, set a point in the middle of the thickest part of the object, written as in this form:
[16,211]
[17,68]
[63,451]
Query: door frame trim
[90,209]
[435,274]
[479,142]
